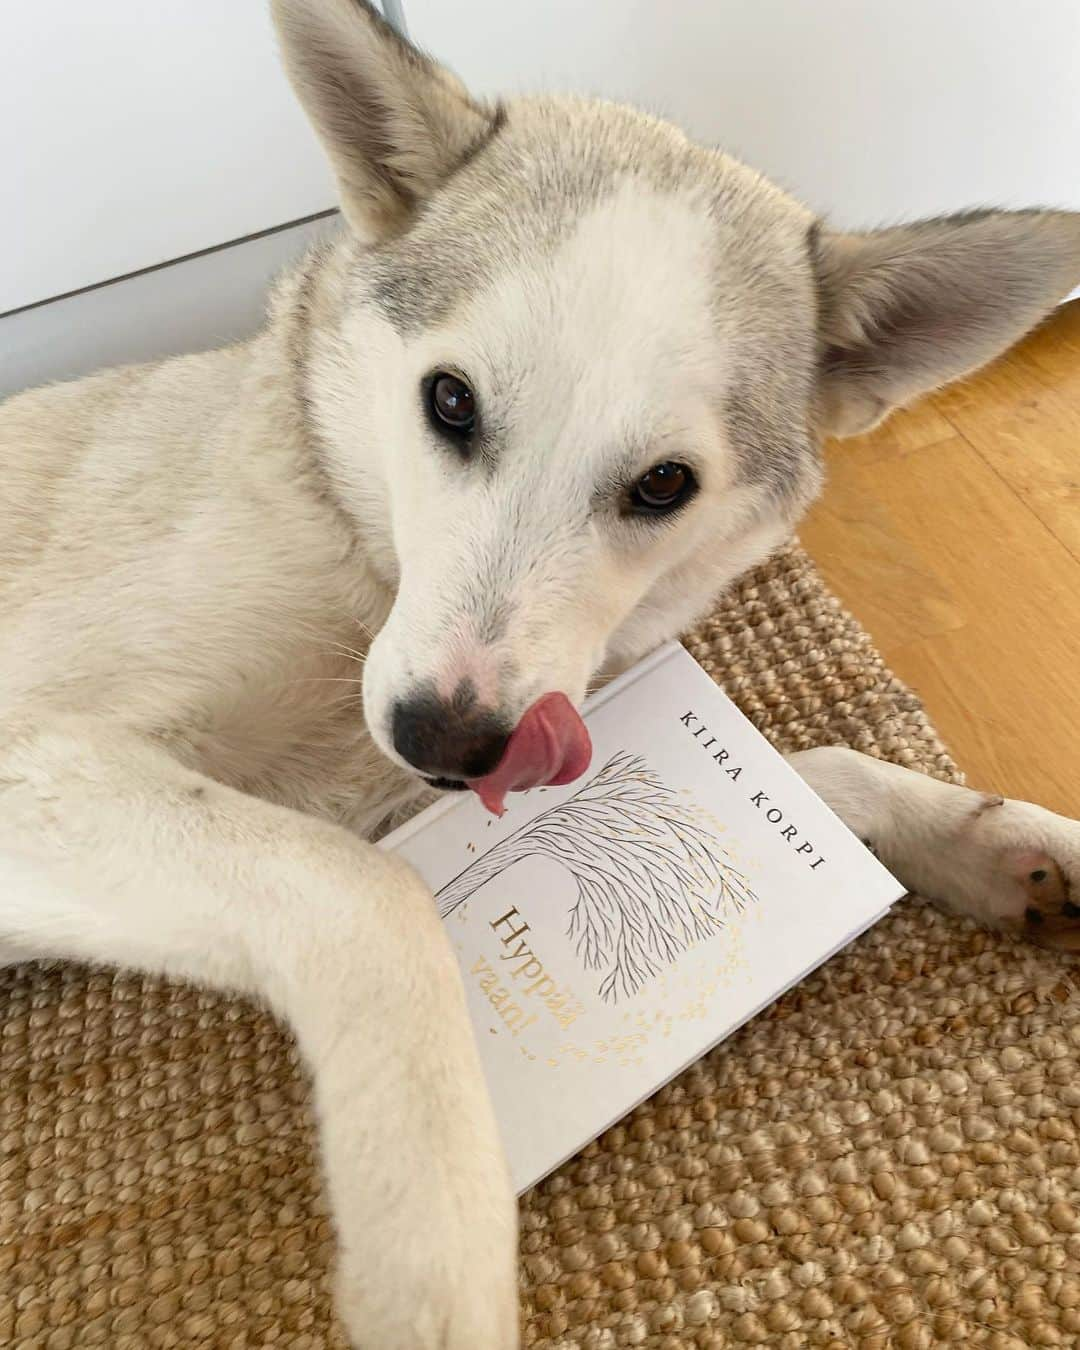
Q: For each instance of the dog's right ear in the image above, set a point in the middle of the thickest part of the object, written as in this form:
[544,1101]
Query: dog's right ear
[395,123]
[905,310]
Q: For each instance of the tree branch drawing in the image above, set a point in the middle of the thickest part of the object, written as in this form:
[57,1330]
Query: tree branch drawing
[652,881]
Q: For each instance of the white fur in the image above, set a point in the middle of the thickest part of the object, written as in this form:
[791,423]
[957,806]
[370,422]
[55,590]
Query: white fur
[539,351]
[203,565]
[111,851]
[953,844]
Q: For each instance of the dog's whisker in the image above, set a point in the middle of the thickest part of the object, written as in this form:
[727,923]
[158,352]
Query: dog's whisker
[344,649]
[348,654]
[325,679]
[345,701]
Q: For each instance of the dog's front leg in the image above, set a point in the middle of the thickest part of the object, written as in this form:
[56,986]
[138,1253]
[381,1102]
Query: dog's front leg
[1009,864]
[110,851]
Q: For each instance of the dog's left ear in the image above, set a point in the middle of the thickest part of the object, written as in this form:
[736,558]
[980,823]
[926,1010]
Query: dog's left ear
[394,123]
[908,309]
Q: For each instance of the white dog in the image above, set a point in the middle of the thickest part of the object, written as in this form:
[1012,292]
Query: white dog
[563,377]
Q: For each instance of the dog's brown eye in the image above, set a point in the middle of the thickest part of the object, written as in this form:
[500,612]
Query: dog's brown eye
[453,403]
[663,488]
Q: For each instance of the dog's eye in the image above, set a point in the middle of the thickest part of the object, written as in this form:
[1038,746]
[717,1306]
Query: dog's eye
[453,403]
[663,488]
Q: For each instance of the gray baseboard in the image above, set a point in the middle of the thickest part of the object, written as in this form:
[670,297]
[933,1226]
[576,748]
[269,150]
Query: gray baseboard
[189,305]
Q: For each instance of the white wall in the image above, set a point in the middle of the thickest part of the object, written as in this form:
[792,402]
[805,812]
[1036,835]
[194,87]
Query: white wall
[202,302]
[133,132]
[868,109]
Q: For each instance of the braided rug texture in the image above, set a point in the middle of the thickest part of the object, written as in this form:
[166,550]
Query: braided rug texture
[888,1157]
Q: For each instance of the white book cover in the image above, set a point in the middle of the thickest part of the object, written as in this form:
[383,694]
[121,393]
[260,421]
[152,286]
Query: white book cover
[613,930]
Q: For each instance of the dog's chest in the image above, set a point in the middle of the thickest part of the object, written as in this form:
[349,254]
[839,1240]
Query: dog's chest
[299,739]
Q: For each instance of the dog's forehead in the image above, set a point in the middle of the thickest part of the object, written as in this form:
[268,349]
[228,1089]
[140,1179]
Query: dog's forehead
[557,168]
[587,237]
[625,294]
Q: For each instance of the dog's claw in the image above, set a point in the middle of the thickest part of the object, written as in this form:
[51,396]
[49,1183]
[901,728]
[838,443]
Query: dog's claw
[1051,918]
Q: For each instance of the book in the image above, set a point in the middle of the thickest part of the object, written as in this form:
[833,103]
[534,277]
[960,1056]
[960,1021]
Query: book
[613,930]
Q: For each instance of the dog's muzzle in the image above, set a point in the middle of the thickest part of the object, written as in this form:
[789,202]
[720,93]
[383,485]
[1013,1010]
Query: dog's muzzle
[459,745]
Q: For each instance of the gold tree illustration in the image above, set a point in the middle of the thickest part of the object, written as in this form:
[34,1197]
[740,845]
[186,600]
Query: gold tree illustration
[652,881]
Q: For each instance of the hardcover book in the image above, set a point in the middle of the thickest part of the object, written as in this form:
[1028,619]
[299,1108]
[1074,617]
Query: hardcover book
[613,930]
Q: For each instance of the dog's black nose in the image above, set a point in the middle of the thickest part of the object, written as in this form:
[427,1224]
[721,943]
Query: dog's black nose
[455,740]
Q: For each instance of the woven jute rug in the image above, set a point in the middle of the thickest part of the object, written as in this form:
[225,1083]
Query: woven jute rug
[889,1157]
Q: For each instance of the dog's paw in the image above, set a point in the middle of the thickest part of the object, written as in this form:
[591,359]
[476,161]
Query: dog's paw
[427,1237]
[431,1284]
[1050,916]
[1016,867]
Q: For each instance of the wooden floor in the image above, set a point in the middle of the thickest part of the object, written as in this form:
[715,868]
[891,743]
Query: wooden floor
[953,533]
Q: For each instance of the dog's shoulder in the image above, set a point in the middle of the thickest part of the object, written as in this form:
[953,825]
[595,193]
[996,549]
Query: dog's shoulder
[168,557]
[66,448]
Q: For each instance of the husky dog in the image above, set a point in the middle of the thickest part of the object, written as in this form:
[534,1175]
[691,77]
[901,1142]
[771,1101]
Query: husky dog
[563,377]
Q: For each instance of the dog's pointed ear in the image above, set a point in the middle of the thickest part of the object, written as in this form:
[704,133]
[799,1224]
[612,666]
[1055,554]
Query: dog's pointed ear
[394,123]
[908,309]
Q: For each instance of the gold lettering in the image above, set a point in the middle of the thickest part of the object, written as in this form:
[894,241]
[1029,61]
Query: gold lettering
[508,918]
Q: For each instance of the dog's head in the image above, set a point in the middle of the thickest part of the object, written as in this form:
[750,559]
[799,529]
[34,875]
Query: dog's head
[573,374]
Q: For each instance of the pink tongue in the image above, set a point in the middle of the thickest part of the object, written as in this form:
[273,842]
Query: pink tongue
[549,745]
